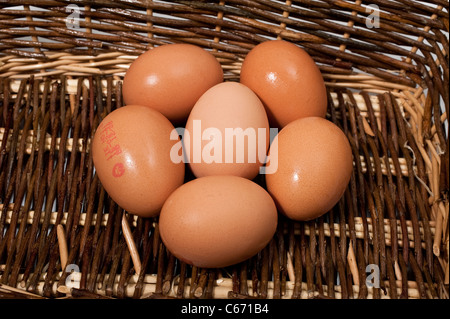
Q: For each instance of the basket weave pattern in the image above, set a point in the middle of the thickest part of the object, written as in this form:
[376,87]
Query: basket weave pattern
[385,64]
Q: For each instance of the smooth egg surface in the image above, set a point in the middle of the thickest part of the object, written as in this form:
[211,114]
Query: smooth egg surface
[131,154]
[217,221]
[314,165]
[228,132]
[287,81]
[171,78]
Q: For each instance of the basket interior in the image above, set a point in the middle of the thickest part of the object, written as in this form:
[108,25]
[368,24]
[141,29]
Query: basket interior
[385,65]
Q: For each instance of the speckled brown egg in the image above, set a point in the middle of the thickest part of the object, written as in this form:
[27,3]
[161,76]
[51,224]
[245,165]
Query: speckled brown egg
[171,78]
[314,165]
[287,81]
[131,154]
[217,221]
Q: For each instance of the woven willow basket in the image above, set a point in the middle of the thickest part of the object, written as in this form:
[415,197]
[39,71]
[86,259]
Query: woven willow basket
[386,67]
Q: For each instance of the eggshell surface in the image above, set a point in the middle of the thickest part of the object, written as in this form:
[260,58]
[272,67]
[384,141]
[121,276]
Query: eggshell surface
[171,78]
[228,132]
[287,81]
[131,154]
[314,160]
[217,221]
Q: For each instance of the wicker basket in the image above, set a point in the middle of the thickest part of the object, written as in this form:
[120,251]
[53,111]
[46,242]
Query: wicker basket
[386,67]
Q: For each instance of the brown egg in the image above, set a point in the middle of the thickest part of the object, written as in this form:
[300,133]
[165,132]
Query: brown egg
[228,132]
[287,81]
[217,221]
[131,154]
[171,78]
[314,160]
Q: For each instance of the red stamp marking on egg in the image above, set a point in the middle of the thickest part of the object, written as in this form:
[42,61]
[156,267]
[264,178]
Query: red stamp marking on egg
[118,170]
[108,137]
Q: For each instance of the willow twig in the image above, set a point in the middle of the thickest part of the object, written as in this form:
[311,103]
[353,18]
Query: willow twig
[131,244]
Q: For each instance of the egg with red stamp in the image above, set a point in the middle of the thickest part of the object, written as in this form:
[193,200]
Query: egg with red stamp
[131,154]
